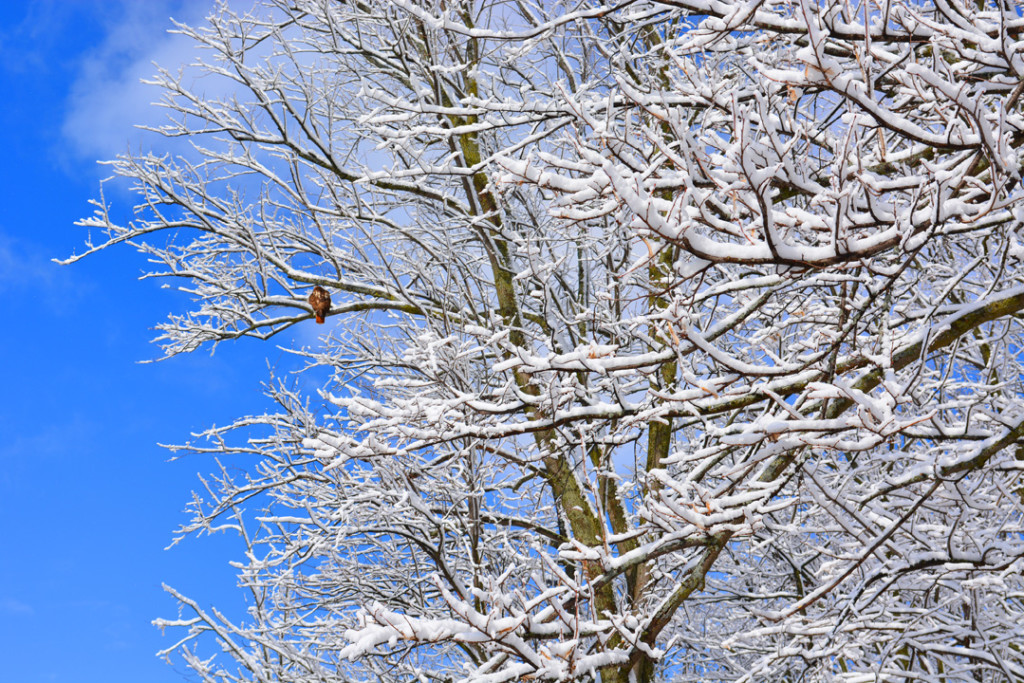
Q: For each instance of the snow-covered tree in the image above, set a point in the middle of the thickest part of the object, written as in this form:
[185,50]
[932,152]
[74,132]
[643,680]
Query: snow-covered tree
[671,339]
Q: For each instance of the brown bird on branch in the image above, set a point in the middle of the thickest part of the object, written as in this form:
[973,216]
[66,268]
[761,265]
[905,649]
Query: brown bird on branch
[320,300]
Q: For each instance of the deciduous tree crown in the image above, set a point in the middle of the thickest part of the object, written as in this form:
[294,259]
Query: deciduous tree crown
[670,339]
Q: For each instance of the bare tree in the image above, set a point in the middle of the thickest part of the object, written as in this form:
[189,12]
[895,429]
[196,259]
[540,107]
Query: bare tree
[670,339]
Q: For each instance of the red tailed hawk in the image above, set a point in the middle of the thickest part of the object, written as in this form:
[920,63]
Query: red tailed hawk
[320,300]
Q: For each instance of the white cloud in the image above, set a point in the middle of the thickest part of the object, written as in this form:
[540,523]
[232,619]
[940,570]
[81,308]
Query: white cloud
[16,608]
[108,99]
[25,267]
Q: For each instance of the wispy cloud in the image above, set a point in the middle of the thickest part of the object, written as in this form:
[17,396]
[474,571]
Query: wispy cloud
[26,45]
[16,608]
[50,441]
[25,266]
[108,100]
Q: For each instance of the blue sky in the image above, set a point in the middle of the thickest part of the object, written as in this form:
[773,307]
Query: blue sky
[88,501]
